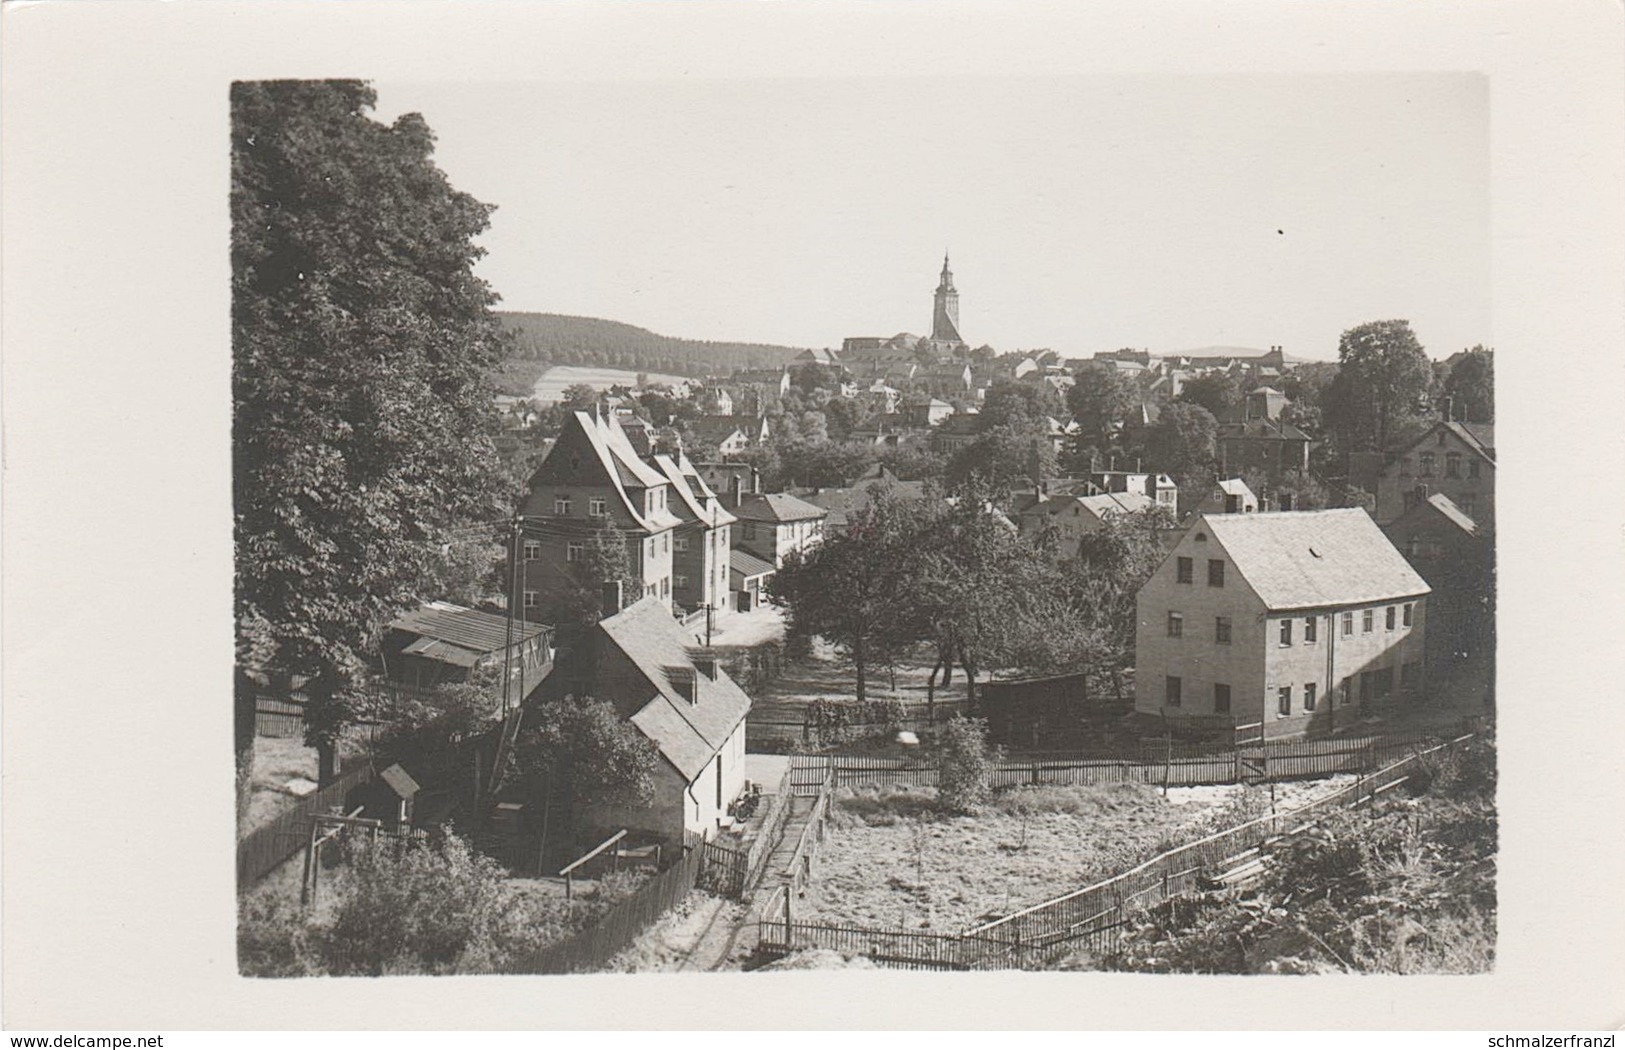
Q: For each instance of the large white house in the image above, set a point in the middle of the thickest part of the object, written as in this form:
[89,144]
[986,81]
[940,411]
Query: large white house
[1282,623]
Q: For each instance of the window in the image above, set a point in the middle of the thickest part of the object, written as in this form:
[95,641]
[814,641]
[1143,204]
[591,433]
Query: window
[598,507]
[1221,630]
[1391,617]
[651,548]
[561,505]
[533,550]
[1215,572]
[532,599]
[1221,698]
[1452,464]
[682,581]
[1472,468]
[1425,461]
[680,545]
[665,543]
[1187,569]
[1176,625]
[575,550]
[1347,689]
[1348,623]
[1309,696]
[1368,619]
[1283,701]
[1286,632]
[1311,630]
[1410,613]
[1171,690]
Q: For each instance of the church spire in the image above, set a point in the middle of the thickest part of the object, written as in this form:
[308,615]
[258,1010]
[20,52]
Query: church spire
[945,308]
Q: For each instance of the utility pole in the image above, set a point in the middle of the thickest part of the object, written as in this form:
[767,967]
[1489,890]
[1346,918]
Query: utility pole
[513,591]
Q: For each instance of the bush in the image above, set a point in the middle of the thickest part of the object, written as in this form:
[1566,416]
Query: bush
[841,721]
[966,765]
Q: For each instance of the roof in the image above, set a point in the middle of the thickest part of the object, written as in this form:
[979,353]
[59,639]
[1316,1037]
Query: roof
[842,503]
[720,428]
[468,630]
[1479,436]
[693,495]
[590,436]
[1262,428]
[687,735]
[1235,487]
[1314,558]
[776,506]
[400,781]
[1099,505]
[1452,513]
[747,564]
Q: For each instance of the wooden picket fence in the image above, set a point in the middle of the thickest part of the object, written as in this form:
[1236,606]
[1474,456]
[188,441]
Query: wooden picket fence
[1093,917]
[1178,765]
[263,849]
[594,946]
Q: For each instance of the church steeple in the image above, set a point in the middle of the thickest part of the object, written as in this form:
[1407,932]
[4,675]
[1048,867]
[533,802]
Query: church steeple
[945,308]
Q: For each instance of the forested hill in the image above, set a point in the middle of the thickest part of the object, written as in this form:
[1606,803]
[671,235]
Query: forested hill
[559,339]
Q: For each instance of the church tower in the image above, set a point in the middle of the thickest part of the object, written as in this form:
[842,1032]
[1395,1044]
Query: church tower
[945,315]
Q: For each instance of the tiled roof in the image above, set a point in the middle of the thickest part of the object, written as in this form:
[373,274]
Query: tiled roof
[1479,436]
[776,506]
[687,735]
[1453,514]
[1313,559]
[747,564]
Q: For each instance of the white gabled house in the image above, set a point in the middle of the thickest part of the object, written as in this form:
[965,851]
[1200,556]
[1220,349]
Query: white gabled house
[1281,623]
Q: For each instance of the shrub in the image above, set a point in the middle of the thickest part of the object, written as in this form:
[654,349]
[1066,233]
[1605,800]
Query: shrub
[841,721]
[966,765]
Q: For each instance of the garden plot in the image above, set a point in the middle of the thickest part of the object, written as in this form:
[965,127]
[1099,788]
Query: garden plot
[895,859]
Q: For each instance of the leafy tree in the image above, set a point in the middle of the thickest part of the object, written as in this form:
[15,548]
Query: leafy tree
[363,350]
[1013,402]
[1471,386]
[588,749]
[853,588]
[1302,491]
[1382,386]
[1100,400]
[844,415]
[1218,392]
[606,559]
[1182,440]
[814,376]
[579,397]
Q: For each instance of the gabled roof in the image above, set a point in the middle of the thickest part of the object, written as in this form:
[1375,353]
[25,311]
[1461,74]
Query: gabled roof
[1314,558]
[1262,428]
[1097,506]
[695,500]
[843,504]
[469,630]
[687,735]
[1478,437]
[717,429]
[776,507]
[590,438]
[1235,487]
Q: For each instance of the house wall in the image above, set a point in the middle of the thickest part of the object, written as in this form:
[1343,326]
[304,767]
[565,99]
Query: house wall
[663,818]
[1272,456]
[700,574]
[700,798]
[1255,664]
[772,541]
[1408,472]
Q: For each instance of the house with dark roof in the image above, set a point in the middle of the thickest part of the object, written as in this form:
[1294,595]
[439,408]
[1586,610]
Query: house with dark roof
[772,524]
[824,356]
[642,661]
[1271,625]
[445,644]
[700,545]
[592,478]
[730,434]
[1455,459]
[1456,556]
[849,505]
[1262,444]
[1229,496]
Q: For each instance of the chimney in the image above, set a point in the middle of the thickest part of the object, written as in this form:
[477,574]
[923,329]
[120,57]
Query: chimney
[705,663]
[736,486]
[1447,407]
[611,598]
[755,482]
[686,681]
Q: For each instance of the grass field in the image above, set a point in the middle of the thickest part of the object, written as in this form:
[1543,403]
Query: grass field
[550,387]
[895,859]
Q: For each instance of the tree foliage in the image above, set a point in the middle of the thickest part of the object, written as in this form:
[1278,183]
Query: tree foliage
[1382,386]
[965,765]
[363,347]
[1100,401]
[1182,440]
[587,748]
[1218,392]
[1471,386]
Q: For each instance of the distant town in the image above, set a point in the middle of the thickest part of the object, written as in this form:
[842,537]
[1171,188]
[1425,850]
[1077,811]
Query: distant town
[901,652]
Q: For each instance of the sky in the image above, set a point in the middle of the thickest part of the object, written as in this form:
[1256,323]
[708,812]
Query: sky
[1082,213]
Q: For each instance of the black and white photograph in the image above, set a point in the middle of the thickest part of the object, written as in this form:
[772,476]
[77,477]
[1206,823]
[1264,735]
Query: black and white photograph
[918,511]
[1136,614]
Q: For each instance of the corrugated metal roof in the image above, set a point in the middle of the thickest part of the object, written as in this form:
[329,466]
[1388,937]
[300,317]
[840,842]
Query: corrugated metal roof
[470,629]
[1314,558]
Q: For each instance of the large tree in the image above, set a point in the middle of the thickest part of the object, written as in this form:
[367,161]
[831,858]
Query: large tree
[1471,386]
[1381,388]
[1100,401]
[363,351]
[1218,392]
[1182,440]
